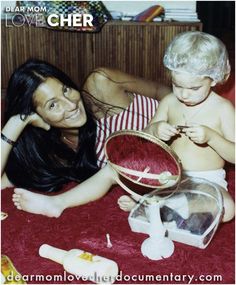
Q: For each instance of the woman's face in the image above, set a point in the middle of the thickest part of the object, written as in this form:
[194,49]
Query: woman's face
[59,105]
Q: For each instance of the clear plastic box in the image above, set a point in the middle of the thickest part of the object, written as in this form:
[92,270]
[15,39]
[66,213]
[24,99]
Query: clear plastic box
[205,207]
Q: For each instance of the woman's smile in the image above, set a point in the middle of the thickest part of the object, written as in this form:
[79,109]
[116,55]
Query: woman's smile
[74,115]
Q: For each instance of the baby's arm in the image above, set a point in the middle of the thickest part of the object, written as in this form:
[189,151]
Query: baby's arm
[159,125]
[223,144]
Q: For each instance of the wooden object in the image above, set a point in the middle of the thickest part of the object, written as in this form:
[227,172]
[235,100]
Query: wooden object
[133,47]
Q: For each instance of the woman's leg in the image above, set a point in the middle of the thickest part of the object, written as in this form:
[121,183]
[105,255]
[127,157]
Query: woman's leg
[52,206]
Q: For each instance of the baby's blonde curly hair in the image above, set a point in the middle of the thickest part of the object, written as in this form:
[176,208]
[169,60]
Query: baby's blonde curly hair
[199,54]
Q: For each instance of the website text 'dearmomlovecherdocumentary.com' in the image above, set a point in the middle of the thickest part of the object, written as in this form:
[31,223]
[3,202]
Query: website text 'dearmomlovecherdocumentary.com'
[121,278]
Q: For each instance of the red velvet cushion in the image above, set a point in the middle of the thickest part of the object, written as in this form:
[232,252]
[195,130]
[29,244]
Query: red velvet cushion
[227,90]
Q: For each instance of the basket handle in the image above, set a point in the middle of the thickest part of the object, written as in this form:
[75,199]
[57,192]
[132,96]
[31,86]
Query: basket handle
[163,177]
[136,196]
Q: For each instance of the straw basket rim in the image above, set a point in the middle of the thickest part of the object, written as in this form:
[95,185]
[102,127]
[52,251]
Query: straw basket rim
[149,138]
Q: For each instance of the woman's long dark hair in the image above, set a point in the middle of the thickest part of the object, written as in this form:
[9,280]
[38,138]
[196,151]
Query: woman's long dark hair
[39,160]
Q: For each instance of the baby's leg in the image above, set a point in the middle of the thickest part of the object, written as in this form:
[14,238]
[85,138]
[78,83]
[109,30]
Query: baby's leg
[34,203]
[203,204]
[90,190]
[229,206]
[178,203]
[126,203]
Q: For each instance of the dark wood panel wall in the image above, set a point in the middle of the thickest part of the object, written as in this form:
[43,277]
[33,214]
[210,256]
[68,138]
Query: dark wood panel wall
[136,48]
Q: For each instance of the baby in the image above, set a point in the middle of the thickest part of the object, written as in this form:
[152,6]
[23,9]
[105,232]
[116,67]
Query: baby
[196,122]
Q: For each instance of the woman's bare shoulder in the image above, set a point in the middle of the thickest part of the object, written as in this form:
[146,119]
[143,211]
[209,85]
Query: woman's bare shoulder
[93,79]
[100,75]
[100,83]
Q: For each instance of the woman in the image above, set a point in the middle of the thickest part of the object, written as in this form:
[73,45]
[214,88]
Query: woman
[55,133]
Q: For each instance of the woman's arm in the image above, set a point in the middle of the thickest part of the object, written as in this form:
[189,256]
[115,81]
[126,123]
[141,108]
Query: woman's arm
[5,183]
[107,78]
[10,133]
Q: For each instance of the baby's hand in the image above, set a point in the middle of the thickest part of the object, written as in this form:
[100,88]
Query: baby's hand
[162,130]
[165,131]
[198,134]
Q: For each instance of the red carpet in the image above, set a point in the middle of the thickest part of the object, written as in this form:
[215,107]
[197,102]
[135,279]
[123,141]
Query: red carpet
[85,228]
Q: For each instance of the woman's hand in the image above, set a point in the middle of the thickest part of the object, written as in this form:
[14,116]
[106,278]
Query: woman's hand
[35,120]
[162,130]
